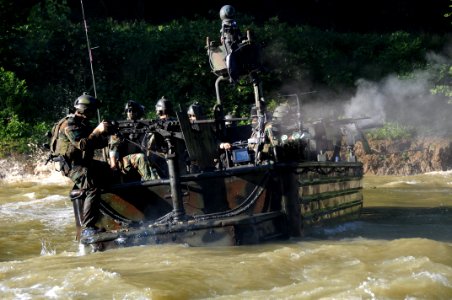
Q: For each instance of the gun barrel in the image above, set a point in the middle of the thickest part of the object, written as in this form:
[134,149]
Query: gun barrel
[226,120]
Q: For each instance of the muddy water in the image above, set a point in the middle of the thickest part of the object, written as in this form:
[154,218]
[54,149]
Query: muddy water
[401,248]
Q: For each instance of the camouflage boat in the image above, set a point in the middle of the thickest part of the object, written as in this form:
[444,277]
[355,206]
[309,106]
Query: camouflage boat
[267,191]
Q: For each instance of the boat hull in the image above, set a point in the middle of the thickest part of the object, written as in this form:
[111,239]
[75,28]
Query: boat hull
[240,206]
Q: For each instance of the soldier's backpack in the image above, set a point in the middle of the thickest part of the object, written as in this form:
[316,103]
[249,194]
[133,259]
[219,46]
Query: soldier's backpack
[54,154]
[53,138]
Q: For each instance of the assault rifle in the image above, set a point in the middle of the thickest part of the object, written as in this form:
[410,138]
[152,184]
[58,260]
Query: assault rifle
[134,128]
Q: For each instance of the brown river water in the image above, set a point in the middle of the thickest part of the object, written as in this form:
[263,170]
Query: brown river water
[400,248]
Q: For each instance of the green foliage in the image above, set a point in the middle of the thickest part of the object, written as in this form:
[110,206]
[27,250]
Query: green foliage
[449,14]
[140,61]
[443,82]
[12,128]
[48,53]
[335,59]
[391,131]
[13,92]
[17,136]
[13,134]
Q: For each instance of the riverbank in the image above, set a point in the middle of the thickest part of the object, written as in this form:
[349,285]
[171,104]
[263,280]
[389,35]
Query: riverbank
[406,157]
[398,157]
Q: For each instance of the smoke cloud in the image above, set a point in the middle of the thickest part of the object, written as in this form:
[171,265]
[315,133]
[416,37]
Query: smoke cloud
[407,102]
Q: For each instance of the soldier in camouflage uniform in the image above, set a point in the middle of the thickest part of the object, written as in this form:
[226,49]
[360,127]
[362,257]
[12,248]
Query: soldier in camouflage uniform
[282,137]
[195,112]
[274,130]
[75,146]
[253,141]
[126,154]
[156,145]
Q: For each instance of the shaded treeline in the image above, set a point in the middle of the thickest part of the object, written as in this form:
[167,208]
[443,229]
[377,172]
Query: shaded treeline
[45,66]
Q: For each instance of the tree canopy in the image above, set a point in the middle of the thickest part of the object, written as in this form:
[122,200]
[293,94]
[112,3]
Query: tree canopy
[45,64]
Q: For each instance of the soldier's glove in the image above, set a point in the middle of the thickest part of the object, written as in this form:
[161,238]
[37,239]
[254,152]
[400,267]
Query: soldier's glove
[112,128]
[101,128]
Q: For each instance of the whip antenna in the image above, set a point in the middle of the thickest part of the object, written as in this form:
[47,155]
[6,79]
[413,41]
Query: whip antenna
[104,151]
[90,55]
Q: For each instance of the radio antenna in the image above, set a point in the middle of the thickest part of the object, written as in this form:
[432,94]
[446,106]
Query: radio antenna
[104,151]
[90,56]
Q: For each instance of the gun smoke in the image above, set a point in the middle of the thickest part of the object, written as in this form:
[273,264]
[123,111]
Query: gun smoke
[405,101]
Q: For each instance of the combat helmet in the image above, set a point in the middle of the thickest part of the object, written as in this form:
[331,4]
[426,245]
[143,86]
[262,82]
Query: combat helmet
[136,108]
[281,113]
[86,104]
[163,107]
[195,109]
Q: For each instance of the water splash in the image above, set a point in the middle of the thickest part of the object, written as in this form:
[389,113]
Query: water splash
[34,170]
[81,250]
[45,248]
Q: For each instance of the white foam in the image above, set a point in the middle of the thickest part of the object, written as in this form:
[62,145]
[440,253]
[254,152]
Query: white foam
[441,173]
[57,211]
[402,182]
[13,171]
[435,277]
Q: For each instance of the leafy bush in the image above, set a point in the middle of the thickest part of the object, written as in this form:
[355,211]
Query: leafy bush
[13,92]
[12,128]
[391,131]
[141,61]
[19,137]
